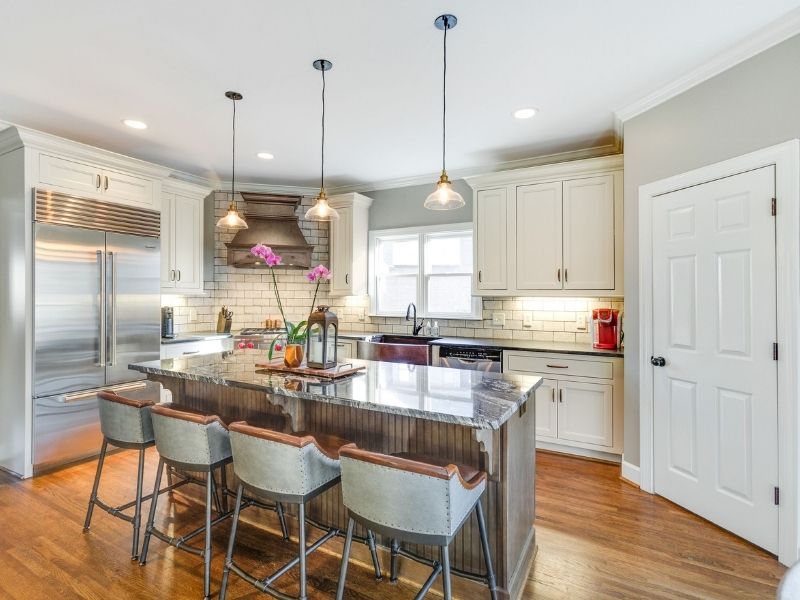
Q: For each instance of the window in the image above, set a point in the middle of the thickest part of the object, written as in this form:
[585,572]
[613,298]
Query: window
[429,266]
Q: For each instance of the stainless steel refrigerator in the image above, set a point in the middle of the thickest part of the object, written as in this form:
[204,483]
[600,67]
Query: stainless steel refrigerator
[97,309]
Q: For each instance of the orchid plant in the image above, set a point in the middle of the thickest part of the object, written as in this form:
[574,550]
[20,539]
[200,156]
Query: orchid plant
[295,333]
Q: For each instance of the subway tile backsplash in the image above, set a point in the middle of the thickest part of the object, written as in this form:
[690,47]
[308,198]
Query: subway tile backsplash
[249,294]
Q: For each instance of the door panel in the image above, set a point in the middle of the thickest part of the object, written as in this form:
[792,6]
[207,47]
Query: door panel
[341,246]
[133,297]
[589,233]
[167,241]
[539,237]
[547,409]
[67,336]
[187,240]
[585,412]
[122,187]
[715,401]
[68,174]
[491,243]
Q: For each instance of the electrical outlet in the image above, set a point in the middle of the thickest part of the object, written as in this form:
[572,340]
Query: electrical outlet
[498,319]
[192,315]
[527,320]
[580,322]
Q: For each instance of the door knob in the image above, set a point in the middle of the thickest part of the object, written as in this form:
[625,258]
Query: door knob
[658,361]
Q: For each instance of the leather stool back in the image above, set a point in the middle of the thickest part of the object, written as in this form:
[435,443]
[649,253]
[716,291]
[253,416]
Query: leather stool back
[190,438]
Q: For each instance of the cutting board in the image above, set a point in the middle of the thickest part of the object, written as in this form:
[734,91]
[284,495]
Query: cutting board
[334,373]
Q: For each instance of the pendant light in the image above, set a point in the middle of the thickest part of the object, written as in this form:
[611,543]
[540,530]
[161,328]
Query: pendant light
[232,220]
[444,197]
[322,211]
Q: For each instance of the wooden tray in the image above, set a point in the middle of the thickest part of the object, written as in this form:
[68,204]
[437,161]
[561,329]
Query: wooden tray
[334,373]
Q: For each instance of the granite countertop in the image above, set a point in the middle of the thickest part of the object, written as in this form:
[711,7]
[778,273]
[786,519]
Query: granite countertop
[197,336]
[471,398]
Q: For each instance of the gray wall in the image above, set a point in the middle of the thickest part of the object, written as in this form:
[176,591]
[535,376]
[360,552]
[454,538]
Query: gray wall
[402,207]
[748,107]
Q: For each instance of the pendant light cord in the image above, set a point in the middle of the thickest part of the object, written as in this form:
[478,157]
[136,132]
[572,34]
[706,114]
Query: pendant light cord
[322,158]
[444,92]
[233,153]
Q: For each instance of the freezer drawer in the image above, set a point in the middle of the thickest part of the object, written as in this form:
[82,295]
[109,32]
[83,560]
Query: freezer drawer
[66,427]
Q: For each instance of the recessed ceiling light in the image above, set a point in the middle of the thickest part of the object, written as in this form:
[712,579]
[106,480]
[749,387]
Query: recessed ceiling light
[525,113]
[134,124]
[265,155]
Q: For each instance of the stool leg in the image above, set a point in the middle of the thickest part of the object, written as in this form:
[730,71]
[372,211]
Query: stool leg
[282,519]
[207,548]
[87,523]
[224,484]
[169,478]
[395,548]
[148,532]
[446,586]
[231,543]
[345,559]
[302,538]
[487,556]
[137,513]
[213,482]
[373,550]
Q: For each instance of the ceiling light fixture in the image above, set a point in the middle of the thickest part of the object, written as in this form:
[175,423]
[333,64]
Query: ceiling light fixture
[322,211]
[444,197]
[232,220]
[526,113]
[134,124]
[265,155]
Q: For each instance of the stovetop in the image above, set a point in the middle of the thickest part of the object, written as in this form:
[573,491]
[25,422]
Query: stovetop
[249,331]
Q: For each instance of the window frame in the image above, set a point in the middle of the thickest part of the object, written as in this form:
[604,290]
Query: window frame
[476,313]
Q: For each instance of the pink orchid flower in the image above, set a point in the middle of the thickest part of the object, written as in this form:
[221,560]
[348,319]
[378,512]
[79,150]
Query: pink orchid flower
[318,272]
[266,254]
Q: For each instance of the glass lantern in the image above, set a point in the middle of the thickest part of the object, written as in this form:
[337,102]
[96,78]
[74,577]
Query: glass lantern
[323,336]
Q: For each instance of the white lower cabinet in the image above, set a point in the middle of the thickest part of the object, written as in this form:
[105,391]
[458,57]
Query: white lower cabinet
[186,349]
[579,405]
[345,349]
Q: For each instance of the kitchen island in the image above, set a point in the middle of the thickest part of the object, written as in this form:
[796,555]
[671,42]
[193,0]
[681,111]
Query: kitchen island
[468,417]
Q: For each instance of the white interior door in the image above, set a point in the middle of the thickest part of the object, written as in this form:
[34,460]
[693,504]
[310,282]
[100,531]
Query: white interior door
[715,398]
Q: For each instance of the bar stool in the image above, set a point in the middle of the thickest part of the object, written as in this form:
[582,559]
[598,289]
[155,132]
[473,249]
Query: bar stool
[125,423]
[190,440]
[293,468]
[414,499]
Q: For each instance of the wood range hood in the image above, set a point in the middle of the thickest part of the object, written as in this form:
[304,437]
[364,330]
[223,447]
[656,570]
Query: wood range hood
[272,221]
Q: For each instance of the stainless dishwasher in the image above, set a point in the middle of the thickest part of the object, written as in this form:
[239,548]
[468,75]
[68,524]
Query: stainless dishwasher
[471,358]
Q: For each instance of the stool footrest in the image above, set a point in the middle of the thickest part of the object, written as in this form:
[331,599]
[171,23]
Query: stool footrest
[480,578]
[117,511]
[181,542]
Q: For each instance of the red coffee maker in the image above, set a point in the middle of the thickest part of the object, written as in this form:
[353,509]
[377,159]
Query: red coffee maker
[606,328]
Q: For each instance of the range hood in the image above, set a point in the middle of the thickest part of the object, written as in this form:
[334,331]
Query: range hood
[271,221]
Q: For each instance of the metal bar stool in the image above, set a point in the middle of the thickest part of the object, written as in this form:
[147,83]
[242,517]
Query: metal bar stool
[125,423]
[414,499]
[282,467]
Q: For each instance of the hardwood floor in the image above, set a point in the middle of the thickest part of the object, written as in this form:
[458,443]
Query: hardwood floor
[598,538]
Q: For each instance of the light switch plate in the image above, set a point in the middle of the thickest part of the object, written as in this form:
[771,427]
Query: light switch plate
[580,322]
[527,320]
[498,319]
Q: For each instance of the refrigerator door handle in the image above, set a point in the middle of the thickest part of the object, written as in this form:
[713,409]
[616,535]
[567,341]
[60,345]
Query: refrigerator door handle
[112,350]
[101,260]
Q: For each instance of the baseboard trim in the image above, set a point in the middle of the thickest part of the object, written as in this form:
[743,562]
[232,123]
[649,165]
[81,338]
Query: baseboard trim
[583,452]
[630,473]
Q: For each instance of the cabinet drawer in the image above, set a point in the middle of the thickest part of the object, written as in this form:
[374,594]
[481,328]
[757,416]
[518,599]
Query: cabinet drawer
[560,366]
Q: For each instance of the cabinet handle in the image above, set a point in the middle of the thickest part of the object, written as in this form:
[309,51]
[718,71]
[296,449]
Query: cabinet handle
[480,276]
[558,366]
[179,274]
[191,352]
[561,396]
[97,185]
[172,274]
[105,182]
[553,394]
[566,275]
[558,274]
[347,278]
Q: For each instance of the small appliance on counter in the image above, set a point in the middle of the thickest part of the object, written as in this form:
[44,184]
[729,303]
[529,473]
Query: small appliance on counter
[167,322]
[606,328]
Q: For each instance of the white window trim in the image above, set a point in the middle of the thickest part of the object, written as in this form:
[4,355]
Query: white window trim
[477,305]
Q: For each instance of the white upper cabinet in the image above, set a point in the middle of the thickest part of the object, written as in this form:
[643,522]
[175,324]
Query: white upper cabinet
[491,259]
[182,238]
[539,237]
[589,233]
[553,230]
[127,189]
[55,171]
[349,245]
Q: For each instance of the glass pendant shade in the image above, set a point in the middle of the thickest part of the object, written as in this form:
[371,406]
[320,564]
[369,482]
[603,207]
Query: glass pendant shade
[322,211]
[232,219]
[444,197]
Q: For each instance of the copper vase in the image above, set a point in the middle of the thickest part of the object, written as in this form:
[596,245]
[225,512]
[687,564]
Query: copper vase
[293,356]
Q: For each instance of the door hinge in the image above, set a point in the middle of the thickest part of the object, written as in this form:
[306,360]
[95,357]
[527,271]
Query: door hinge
[774,206]
[775,351]
[777,495]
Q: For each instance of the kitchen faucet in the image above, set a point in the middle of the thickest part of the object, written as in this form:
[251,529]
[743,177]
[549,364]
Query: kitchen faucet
[415,328]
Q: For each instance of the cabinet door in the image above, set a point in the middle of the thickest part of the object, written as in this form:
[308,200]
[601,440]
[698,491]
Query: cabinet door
[69,174]
[539,237]
[547,409]
[128,189]
[187,242]
[345,350]
[589,233]
[490,243]
[341,252]
[167,250]
[585,413]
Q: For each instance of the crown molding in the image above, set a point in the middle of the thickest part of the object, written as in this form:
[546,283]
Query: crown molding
[777,31]
[219,185]
[511,165]
[565,169]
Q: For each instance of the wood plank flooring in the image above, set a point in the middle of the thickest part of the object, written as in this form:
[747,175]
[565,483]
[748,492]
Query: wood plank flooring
[598,538]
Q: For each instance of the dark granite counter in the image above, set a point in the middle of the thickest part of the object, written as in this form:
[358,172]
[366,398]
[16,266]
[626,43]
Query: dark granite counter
[469,398]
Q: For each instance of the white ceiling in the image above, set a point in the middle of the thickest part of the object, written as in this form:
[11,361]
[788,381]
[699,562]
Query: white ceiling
[77,68]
